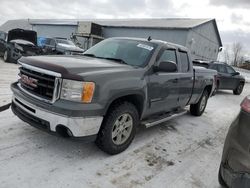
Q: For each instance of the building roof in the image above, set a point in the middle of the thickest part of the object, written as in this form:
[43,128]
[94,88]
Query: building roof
[13,24]
[159,23]
[184,23]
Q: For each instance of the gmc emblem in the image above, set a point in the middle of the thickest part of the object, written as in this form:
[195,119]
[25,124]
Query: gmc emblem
[28,81]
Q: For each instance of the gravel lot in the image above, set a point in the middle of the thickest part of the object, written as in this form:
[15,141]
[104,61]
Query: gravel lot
[184,152]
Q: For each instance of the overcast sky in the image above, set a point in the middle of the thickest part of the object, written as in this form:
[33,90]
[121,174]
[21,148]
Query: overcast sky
[232,15]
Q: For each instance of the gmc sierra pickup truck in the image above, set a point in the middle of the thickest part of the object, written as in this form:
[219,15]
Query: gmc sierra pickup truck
[105,93]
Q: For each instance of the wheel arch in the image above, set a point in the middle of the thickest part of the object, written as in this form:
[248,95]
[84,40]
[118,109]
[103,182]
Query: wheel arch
[136,99]
[209,89]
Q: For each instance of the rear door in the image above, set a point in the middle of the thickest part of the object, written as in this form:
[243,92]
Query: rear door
[222,76]
[163,89]
[186,78]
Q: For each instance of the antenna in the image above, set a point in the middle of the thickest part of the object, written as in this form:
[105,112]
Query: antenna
[149,38]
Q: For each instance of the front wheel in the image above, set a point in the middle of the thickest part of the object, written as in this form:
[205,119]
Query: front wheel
[221,180]
[239,89]
[6,56]
[198,108]
[118,128]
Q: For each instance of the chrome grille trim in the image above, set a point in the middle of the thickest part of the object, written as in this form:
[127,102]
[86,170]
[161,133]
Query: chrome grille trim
[57,83]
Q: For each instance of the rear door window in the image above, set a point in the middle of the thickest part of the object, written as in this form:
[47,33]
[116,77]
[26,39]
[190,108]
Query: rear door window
[184,61]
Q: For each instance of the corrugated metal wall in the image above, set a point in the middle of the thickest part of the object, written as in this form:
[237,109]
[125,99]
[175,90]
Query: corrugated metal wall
[202,40]
[175,36]
[63,31]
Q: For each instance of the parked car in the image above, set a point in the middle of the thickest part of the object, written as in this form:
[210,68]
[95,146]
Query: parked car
[18,43]
[108,91]
[235,164]
[60,46]
[3,35]
[227,77]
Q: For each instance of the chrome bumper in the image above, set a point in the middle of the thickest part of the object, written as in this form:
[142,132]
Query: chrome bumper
[79,126]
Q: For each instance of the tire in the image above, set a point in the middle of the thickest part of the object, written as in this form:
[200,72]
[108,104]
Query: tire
[220,179]
[239,89]
[198,108]
[118,128]
[6,56]
[216,88]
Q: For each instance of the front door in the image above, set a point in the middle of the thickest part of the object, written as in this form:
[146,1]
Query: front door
[231,78]
[163,90]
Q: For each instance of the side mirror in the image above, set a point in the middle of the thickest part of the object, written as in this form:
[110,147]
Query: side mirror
[166,66]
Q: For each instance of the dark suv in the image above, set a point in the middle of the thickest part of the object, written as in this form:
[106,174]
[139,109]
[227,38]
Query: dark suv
[227,77]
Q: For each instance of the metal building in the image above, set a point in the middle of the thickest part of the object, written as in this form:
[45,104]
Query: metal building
[201,36]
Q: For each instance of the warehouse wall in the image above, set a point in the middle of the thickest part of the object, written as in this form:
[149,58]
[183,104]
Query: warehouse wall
[175,36]
[203,42]
[54,30]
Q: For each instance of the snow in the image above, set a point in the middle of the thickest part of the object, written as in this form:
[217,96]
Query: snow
[244,72]
[184,152]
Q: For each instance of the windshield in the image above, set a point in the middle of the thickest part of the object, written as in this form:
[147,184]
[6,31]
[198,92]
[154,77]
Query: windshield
[61,41]
[131,52]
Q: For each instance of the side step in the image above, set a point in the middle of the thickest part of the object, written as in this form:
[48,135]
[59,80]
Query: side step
[160,119]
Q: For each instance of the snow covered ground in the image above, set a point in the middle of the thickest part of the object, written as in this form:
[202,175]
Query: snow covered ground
[184,152]
[244,72]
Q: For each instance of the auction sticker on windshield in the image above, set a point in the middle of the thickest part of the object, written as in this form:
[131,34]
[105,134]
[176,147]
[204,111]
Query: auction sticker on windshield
[150,48]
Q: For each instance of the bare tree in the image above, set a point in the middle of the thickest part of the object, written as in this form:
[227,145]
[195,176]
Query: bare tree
[226,55]
[237,53]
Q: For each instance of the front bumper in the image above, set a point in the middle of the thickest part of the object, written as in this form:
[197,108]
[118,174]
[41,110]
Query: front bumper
[235,165]
[49,121]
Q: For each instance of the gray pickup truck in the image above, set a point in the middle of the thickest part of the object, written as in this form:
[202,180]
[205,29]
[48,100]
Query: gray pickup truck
[104,94]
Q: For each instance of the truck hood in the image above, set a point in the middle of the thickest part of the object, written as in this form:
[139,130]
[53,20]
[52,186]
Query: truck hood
[22,34]
[75,67]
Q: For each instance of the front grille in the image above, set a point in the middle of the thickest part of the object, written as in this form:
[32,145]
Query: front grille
[39,84]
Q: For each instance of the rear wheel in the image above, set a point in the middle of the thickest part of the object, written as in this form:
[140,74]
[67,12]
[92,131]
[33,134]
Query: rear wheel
[216,88]
[118,128]
[198,108]
[239,89]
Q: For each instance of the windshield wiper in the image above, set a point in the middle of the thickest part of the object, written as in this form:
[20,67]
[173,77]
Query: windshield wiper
[115,59]
[108,58]
[89,55]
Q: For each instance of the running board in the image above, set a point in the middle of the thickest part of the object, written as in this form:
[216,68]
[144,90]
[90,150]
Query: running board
[161,119]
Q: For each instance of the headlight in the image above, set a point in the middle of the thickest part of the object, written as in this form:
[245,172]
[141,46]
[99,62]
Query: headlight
[77,91]
[18,47]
